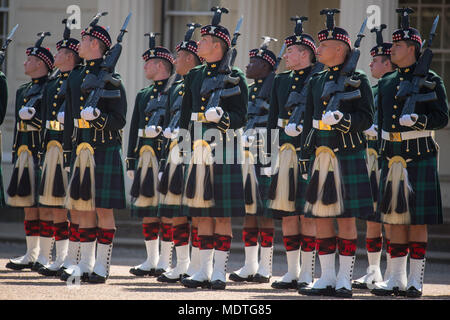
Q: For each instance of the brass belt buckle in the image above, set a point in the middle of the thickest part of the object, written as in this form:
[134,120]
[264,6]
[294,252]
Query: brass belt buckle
[55,125]
[323,126]
[395,136]
[83,124]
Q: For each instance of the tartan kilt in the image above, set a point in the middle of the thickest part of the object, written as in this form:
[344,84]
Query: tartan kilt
[357,193]
[425,205]
[109,178]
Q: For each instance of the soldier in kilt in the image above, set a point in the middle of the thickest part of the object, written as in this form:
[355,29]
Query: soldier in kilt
[213,189]
[3,106]
[380,67]
[144,153]
[92,145]
[409,182]
[258,219]
[287,185]
[171,183]
[338,181]
[54,179]
[22,190]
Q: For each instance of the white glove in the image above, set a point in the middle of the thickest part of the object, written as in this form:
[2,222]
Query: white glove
[167,133]
[292,130]
[408,120]
[152,131]
[214,114]
[331,118]
[160,175]
[175,132]
[130,174]
[88,113]
[26,113]
[67,169]
[247,140]
[266,171]
[60,117]
[372,131]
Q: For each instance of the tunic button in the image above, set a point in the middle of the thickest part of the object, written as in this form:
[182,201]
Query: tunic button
[57,89]
[394,116]
[60,82]
[296,78]
[180,92]
[87,71]
[302,72]
[54,112]
[25,100]
[203,99]
[395,106]
[293,87]
[146,118]
[202,108]
[208,73]
[54,104]
[55,96]
[325,103]
[401,79]
[253,97]
[289,113]
[331,77]
[154,90]
[81,107]
[398,87]
[151,97]
[81,98]
[393,126]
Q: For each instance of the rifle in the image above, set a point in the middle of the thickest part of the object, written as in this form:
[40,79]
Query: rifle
[156,108]
[214,87]
[258,109]
[410,90]
[296,102]
[5,45]
[334,92]
[95,85]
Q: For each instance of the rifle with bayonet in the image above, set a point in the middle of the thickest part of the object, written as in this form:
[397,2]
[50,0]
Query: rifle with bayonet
[5,45]
[95,85]
[334,93]
[258,109]
[410,90]
[215,87]
[296,102]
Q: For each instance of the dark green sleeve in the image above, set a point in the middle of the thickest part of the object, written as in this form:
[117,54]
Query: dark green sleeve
[186,104]
[236,106]
[3,97]
[436,115]
[134,128]
[305,151]
[68,119]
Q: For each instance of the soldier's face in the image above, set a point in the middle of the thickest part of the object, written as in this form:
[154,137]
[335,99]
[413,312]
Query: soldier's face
[256,69]
[401,52]
[205,46]
[61,58]
[379,66]
[86,46]
[32,64]
[293,57]
[151,68]
[326,52]
[183,62]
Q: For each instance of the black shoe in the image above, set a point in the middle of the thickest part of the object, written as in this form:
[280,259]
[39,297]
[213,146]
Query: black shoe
[158,272]
[189,283]
[260,279]
[142,273]
[36,266]
[65,276]
[236,278]
[95,278]
[302,285]
[285,285]
[47,272]
[359,285]
[218,285]
[184,276]
[309,291]
[344,293]
[163,278]
[412,292]
[385,292]
[60,271]
[16,266]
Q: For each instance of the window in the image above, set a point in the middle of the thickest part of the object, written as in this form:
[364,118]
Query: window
[178,13]
[422,19]
[3,26]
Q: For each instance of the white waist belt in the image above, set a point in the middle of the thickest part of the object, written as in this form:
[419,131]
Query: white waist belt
[408,135]
[282,122]
[25,127]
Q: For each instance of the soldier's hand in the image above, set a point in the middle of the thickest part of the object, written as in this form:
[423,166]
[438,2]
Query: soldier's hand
[167,133]
[175,133]
[26,113]
[60,117]
[130,174]
[90,113]
[292,130]
[152,131]
[408,120]
[372,131]
[331,118]
[214,114]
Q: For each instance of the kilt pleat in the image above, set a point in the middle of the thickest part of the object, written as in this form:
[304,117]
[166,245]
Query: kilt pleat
[109,178]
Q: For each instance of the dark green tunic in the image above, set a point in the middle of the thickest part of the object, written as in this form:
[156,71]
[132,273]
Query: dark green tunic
[228,186]
[3,106]
[425,204]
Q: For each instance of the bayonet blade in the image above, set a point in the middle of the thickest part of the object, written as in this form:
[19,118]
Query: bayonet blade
[280,55]
[238,26]
[363,27]
[125,24]
[433,30]
[12,32]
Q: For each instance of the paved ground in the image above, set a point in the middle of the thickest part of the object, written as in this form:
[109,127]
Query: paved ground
[122,285]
